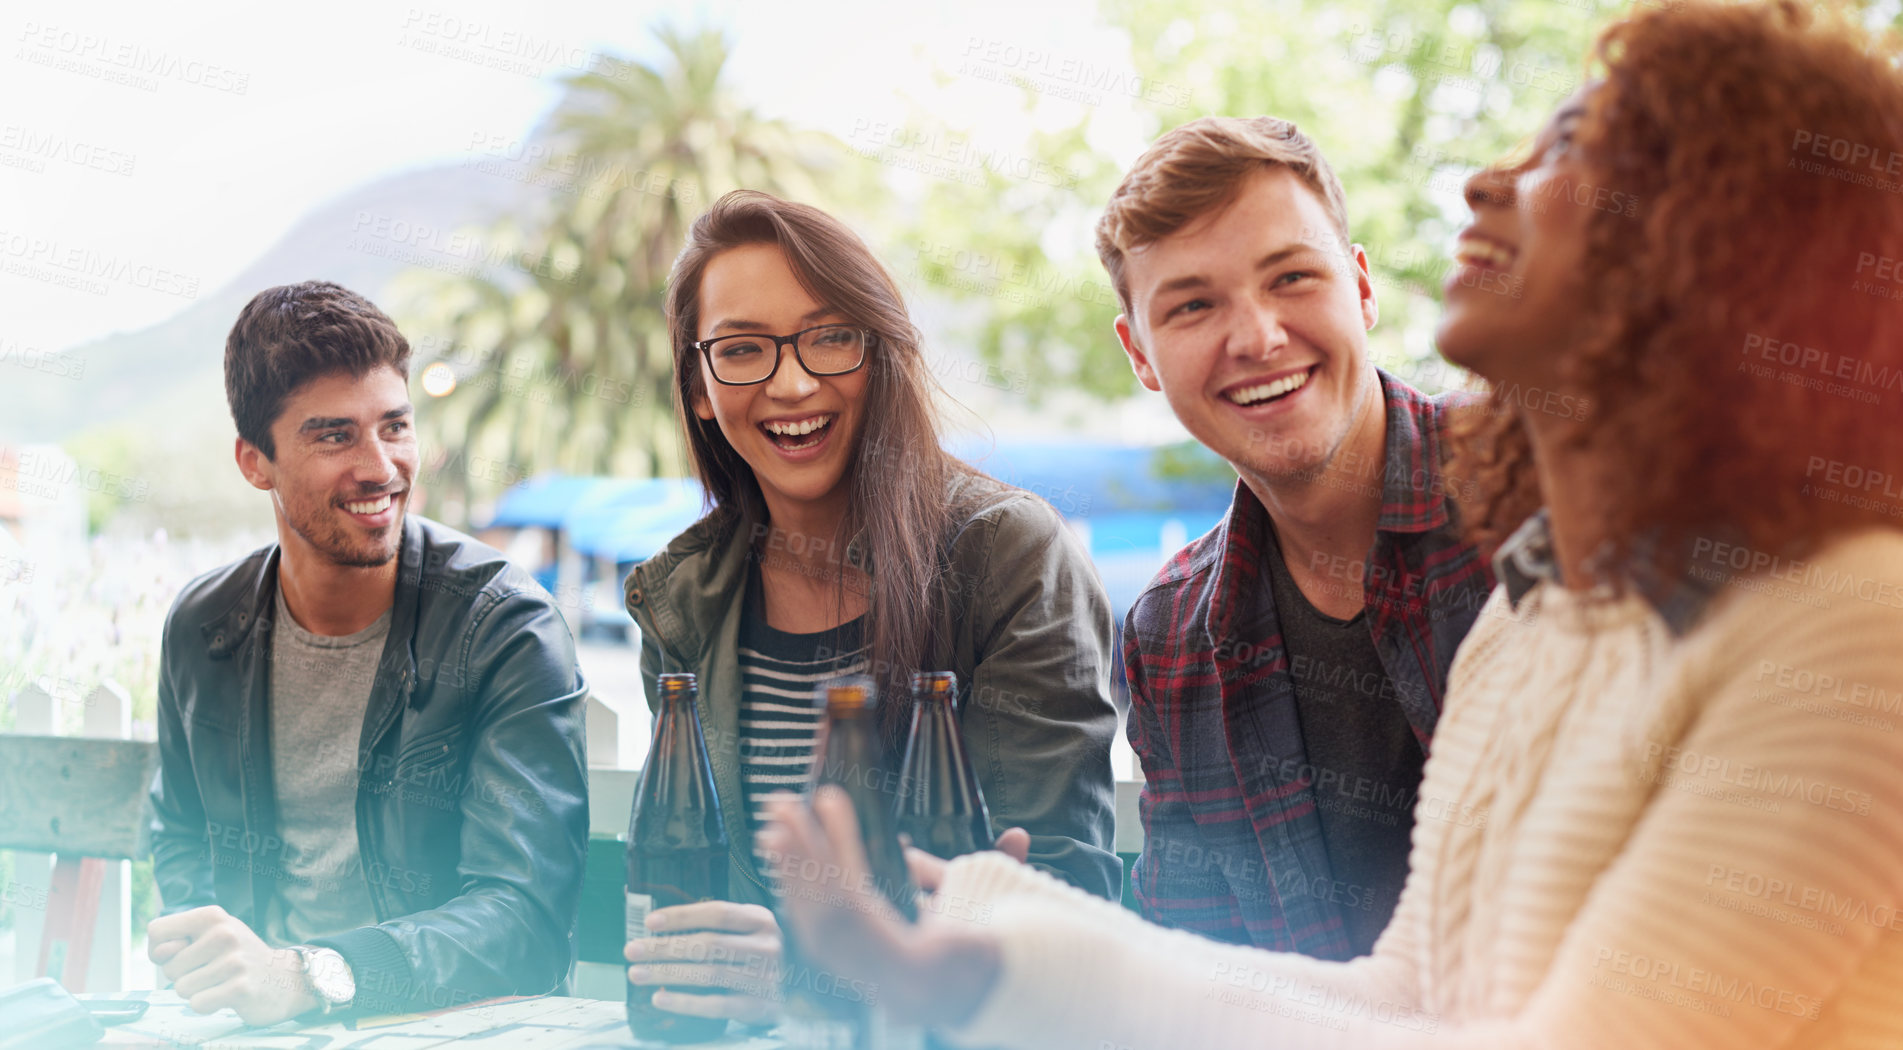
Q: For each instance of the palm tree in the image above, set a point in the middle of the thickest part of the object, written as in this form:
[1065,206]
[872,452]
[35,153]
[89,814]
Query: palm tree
[563,360]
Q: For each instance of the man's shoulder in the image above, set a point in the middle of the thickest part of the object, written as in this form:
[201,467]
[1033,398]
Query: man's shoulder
[212,595]
[1181,586]
[1429,414]
[474,607]
[458,568]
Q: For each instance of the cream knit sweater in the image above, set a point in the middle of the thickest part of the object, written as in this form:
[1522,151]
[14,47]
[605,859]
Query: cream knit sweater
[1624,840]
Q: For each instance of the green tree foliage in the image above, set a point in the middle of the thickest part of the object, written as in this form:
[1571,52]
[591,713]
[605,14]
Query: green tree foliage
[1405,97]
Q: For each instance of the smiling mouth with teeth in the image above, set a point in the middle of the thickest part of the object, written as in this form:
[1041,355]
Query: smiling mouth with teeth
[371,506]
[1483,255]
[1269,391]
[795,435]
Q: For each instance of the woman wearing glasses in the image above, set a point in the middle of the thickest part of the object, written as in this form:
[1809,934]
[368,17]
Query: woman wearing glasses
[843,539]
[1665,804]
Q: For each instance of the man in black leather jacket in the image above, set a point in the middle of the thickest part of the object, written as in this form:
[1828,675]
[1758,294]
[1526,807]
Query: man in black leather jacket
[372,790]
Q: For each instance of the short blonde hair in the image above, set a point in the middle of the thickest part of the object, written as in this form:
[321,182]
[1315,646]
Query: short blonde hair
[1196,169]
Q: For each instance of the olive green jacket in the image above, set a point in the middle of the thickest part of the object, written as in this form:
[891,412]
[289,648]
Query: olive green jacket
[1030,632]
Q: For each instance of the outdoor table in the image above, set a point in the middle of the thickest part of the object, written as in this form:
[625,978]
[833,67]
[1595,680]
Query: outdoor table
[546,1023]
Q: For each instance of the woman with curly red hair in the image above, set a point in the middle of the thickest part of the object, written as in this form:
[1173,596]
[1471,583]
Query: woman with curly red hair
[1665,802]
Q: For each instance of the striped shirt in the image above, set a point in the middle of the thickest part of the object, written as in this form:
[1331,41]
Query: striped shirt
[779,716]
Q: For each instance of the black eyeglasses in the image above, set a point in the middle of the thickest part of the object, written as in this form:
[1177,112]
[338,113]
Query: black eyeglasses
[825,350]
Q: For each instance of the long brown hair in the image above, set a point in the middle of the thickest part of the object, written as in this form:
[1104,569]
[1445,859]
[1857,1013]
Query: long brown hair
[898,473]
[1744,355]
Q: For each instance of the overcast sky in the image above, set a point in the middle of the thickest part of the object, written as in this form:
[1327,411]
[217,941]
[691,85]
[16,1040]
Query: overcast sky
[176,142]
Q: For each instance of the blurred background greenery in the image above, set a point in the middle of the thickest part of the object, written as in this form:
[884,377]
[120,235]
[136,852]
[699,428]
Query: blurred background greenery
[1406,98]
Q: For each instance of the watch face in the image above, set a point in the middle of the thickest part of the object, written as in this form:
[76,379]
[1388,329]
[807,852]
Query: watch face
[330,976]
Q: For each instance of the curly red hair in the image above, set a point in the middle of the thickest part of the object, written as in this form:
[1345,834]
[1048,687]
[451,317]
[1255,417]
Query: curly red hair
[1751,240]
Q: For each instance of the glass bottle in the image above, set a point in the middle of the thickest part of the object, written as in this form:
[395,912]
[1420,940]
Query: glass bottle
[827,1011]
[677,848]
[940,806]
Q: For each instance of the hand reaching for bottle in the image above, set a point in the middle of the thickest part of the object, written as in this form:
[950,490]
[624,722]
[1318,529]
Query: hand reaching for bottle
[928,871]
[932,973]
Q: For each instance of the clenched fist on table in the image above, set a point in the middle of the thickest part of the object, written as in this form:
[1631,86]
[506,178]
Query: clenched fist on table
[215,961]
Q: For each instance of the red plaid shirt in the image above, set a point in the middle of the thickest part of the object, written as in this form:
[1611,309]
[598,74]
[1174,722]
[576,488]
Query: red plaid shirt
[1231,836]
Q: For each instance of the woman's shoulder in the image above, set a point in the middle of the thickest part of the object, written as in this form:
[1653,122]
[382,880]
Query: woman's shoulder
[686,567]
[704,537]
[1842,602]
[1007,541]
[1851,577]
[1006,511]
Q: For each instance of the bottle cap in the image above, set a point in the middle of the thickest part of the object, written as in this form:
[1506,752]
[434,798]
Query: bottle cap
[850,695]
[677,684]
[934,683]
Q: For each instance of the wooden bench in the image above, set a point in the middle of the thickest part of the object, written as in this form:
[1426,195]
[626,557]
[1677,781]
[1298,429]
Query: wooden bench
[84,801]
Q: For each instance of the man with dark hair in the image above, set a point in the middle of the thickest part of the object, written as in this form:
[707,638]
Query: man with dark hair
[1286,670]
[372,791]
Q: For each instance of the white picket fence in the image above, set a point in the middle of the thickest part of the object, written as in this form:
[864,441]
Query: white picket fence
[115,965]
[617,741]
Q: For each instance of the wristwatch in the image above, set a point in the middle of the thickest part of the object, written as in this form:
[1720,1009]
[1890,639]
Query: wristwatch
[328,976]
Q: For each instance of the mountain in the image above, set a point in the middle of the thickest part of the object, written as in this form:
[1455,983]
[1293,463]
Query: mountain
[141,375]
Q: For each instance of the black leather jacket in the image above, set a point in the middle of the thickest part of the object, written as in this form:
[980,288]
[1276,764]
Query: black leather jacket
[472,803]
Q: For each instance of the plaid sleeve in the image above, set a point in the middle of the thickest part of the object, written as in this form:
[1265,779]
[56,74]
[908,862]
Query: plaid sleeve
[1171,886]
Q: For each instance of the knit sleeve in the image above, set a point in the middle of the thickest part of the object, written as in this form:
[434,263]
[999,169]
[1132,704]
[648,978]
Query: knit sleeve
[1082,972]
[1752,905]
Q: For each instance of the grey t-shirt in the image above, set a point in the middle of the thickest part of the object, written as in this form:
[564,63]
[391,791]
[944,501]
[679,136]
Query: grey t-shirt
[320,688]
[1367,759]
